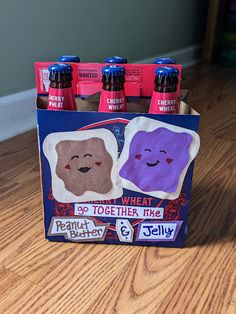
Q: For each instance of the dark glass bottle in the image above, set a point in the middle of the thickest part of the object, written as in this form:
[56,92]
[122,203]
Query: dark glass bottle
[116,60]
[113,95]
[60,95]
[164,98]
[163,60]
[69,58]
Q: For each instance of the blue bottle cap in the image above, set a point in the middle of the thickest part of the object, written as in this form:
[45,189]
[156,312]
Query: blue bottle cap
[113,70]
[164,61]
[68,58]
[116,59]
[166,71]
[60,67]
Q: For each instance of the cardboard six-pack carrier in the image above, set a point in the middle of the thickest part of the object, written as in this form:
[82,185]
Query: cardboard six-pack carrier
[137,184]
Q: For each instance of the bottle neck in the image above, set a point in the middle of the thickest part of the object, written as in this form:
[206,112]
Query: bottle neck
[165,84]
[113,87]
[60,85]
[112,82]
[60,80]
[165,89]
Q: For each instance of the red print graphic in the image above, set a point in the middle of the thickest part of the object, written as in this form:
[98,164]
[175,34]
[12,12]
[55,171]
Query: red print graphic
[61,209]
[50,196]
[172,209]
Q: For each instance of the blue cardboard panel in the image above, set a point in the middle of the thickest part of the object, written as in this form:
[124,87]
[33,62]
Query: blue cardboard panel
[134,218]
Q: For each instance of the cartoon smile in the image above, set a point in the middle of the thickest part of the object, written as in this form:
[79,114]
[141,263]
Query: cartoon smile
[152,165]
[85,165]
[84,169]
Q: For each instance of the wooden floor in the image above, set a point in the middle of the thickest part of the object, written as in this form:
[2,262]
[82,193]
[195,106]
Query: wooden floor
[37,276]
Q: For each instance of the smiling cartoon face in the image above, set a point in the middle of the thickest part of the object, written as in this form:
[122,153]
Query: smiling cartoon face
[84,166]
[156,159]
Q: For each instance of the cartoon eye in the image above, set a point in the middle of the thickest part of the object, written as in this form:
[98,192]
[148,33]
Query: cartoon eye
[147,150]
[163,151]
[76,156]
[88,155]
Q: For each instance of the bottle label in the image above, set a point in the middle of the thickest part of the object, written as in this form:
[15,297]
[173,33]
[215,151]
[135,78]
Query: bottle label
[164,103]
[61,99]
[112,101]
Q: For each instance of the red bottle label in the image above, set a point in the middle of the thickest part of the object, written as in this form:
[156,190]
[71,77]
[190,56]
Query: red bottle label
[112,101]
[164,103]
[61,99]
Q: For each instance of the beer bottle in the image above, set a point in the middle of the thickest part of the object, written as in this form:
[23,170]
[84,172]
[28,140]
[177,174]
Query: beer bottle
[164,98]
[60,94]
[116,60]
[112,95]
[68,58]
[164,61]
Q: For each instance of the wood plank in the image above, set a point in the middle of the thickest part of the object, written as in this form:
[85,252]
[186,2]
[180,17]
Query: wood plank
[146,281]
[232,305]
[68,271]
[205,274]
[212,213]
[13,289]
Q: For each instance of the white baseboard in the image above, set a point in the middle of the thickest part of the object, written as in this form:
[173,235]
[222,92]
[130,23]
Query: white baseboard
[17,113]
[188,56]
